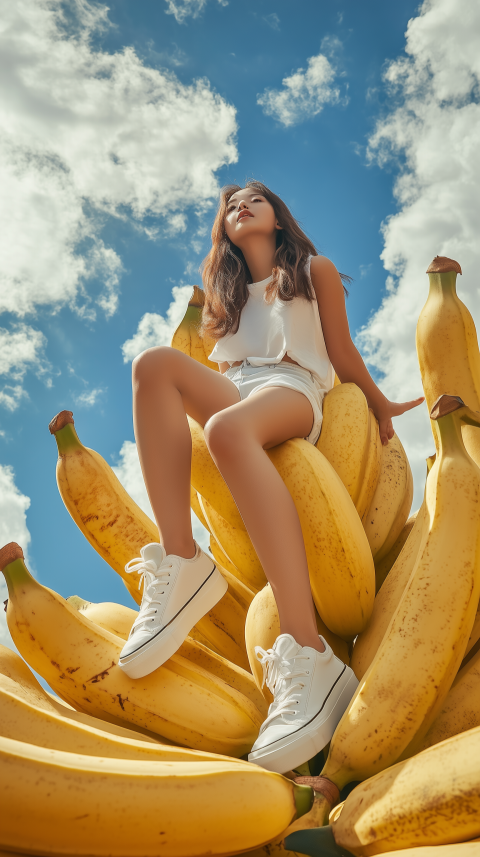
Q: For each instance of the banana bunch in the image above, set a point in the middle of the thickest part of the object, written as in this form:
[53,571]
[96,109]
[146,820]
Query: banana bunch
[125,806]
[117,528]
[430,799]
[423,646]
[78,659]
[119,619]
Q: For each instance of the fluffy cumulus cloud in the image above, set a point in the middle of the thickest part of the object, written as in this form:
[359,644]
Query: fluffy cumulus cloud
[153,329]
[13,528]
[303,94]
[433,131]
[86,134]
[183,9]
[130,475]
[21,348]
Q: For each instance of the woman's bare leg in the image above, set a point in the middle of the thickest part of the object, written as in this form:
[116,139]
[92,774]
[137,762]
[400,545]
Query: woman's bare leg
[167,385]
[237,438]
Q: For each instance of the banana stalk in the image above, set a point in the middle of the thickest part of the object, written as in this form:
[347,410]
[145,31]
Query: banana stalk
[79,660]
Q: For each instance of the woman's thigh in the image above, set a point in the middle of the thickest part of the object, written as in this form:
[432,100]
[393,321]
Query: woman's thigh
[204,391]
[271,415]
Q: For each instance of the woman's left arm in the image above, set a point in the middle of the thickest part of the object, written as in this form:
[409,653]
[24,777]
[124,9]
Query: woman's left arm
[343,355]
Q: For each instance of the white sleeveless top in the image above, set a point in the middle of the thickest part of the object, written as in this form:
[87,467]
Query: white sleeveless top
[268,332]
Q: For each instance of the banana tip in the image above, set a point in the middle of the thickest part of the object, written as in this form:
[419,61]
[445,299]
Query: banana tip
[444,405]
[9,553]
[60,421]
[442,265]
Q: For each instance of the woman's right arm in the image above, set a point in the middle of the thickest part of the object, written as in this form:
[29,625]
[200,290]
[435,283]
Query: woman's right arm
[222,367]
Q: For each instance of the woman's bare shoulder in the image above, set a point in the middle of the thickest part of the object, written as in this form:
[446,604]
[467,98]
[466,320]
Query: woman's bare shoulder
[324,275]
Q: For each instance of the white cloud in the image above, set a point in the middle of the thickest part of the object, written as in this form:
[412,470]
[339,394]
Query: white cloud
[13,528]
[304,93]
[90,397]
[434,127]
[153,329]
[21,348]
[86,134]
[130,475]
[182,9]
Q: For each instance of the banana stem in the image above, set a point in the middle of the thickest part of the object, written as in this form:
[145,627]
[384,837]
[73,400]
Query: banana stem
[68,440]
[303,796]
[17,575]
[442,283]
[449,430]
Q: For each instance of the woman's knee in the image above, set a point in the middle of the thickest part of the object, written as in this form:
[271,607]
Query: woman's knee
[223,433]
[151,364]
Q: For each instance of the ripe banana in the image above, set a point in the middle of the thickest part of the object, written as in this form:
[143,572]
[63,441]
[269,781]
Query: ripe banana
[461,709]
[117,528]
[351,442]
[339,558]
[447,347]
[391,501]
[55,802]
[119,619]
[388,598]
[416,663]
[430,799]
[263,627]
[28,714]
[186,337]
[79,661]
[385,565]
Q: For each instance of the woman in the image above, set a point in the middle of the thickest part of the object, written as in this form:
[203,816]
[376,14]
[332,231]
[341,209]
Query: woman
[277,312]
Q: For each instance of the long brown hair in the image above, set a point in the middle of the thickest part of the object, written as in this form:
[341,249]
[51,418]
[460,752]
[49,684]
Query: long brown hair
[225,273]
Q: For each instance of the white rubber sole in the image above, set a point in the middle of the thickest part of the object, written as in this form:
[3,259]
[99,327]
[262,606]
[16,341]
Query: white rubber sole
[287,753]
[158,650]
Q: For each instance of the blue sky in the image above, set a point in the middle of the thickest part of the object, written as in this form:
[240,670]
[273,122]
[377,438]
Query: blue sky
[119,127]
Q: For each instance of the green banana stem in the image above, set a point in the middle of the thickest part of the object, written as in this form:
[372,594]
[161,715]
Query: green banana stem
[443,283]
[68,440]
[303,796]
[17,575]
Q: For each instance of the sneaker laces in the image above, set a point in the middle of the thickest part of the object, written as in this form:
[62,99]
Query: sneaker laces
[152,577]
[278,675]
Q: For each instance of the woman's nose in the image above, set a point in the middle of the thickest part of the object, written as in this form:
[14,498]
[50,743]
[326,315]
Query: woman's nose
[242,204]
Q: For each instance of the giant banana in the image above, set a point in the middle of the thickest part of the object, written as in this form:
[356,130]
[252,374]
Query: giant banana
[119,619]
[417,661]
[392,500]
[430,799]
[388,598]
[461,709]
[117,528]
[186,337]
[55,802]
[447,347]
[79,661]
[28,714]
[342,574]
[384,566]
[350,440]
[263,627]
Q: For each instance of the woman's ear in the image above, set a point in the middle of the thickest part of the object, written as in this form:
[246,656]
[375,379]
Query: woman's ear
[277,225]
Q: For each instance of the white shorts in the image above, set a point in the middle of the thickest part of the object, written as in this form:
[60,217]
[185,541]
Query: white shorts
[248,378]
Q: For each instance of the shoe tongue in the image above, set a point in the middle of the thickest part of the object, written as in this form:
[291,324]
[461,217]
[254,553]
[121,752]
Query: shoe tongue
[286,646]
[154,551]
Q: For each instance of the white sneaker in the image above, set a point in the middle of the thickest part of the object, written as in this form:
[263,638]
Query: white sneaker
[311,691]
[177,592]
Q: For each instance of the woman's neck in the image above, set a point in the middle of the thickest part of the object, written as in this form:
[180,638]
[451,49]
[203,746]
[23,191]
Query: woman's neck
[259,256]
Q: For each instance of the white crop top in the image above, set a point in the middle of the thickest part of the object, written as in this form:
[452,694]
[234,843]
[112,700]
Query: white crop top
[268,332]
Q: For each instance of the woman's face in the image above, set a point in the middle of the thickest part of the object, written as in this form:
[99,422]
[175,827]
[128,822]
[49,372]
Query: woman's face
[249,214]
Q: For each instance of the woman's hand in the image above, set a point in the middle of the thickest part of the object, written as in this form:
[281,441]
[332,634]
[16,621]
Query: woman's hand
[387,410]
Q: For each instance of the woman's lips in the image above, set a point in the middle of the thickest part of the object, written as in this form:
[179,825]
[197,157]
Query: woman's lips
[243,214]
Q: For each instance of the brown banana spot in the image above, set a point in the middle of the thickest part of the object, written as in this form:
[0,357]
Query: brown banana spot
[60,421]
[443,265]
[121,701]
[100,676]
[9,553]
